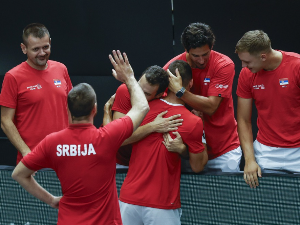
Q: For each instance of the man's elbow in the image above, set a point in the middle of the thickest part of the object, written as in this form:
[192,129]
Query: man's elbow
[198,167]
[2,125]
[144,109]
[14,175]
[211,111]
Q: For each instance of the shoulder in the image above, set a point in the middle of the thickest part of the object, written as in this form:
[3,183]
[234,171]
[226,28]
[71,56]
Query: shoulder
[246,73]
[115,125]
[182,56]
[157,101]
[192,123]
[122,91]
[55,63]
[19,69]
[220,60]
[122,87]
[191,118]
[291,57]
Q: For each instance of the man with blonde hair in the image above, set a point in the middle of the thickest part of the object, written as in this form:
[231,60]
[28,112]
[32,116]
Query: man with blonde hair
[272,78]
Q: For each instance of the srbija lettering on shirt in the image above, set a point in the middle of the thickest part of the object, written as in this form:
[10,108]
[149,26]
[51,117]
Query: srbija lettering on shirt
[75,150]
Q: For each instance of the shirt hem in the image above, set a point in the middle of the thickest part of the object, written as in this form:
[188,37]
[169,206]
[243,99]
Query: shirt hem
[150,205]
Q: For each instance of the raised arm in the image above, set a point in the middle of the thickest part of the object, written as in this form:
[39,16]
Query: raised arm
[244,113]
[9,128]
[207,105]
[123,72]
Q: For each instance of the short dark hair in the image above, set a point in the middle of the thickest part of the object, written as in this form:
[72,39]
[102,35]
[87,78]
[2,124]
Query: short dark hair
[254,42]
[155,75]
[184,69]
[81,100]
[37,30]
[197,35]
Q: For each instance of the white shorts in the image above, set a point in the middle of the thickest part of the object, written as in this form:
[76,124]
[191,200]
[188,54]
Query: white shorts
[273,159]
[228,162]
[119,166]
[141,215]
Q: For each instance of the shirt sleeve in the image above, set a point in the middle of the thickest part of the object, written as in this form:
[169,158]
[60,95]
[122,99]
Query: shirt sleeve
[221,81]
[37,159]
[118,131]
[194,139]
[122,101]
[9,92]
[298,75]
[68,81]
[244,87]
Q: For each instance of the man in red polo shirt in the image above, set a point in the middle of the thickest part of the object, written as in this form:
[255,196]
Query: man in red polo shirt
[211,94]
[83,156]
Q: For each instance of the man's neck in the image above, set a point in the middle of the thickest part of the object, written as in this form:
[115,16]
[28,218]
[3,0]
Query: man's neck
[79,120]
[36,66]
[171,97]
[274,60]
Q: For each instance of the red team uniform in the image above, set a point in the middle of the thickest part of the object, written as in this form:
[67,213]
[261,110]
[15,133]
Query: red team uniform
[153,178]
[83,158]
[122,101]
[122,104]
[277,99]
[216,80]
[39,98]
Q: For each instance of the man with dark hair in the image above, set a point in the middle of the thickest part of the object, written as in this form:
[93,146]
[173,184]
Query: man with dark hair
[211,94]
[150,193]
[154,81]
[272,78]
[34,94]
[83,156]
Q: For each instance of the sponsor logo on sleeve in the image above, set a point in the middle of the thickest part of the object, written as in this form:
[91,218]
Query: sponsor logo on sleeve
[221,86]
[258,86]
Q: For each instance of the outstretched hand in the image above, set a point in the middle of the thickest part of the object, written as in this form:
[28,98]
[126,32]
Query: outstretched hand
[122,69]
[175,81]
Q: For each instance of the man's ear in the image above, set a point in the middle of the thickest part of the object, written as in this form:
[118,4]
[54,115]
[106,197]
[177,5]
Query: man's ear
[94,110]
[191,84]
[24,48]
[69,116]
[263,56]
